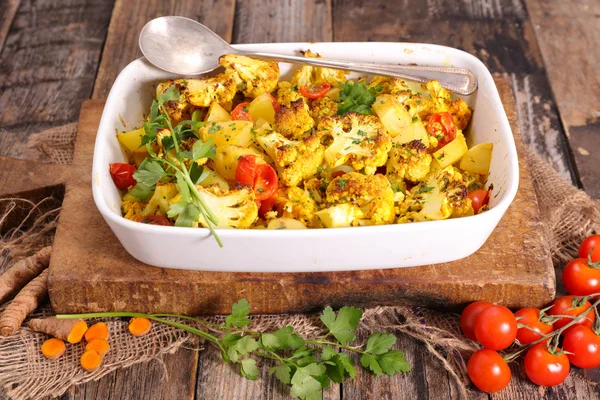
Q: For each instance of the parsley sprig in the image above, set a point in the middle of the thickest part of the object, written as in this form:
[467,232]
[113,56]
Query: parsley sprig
[172,164]
[306,365]
[357,97]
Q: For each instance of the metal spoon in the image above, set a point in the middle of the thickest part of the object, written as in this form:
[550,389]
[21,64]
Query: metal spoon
[183,46]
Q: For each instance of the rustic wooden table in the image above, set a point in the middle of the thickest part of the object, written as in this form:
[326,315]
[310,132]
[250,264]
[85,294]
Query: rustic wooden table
[54,54]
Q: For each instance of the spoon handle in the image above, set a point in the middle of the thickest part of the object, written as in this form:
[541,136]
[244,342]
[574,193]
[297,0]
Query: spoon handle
[458,80]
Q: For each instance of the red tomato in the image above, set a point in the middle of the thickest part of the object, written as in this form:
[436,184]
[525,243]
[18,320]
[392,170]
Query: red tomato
[584,345]
[261,177]
[240,112]
[589,244]
[266,182]
[276,105]
[531,318]
[479,198]
[468,316]
[496,328]
[155,220]
[544,368]
[246,170]
[122,175]
[488,371]
[442,123]
[570,305]
[581,279]
[316,91]
[266,206]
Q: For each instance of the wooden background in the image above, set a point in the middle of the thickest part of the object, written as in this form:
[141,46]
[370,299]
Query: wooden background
[54,54]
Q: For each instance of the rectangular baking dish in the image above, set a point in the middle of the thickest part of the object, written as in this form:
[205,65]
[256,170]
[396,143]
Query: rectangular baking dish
[319,250]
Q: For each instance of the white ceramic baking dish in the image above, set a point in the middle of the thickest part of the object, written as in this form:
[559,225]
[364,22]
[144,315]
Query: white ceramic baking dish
[372,247]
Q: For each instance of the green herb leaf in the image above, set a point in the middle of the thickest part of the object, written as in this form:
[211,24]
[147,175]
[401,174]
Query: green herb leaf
[184,190]
[380,359]
[249,369]
[239,313]
[283,339]
[393,361]
[149,173]
[141,191]
[171,94]
[282,372]
[304,385]
[167,143]
[203,149]
[187,214]
[197,116]
[337,365]
[379,344]
[197,173]
[356,97]
[341,327]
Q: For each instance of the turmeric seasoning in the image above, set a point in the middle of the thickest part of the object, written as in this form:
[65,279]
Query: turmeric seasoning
[76,334]
[90,360]
[53,349]
[97,331]
[58,328]
[101,346]
[28,299]
[22,272]
[139,326]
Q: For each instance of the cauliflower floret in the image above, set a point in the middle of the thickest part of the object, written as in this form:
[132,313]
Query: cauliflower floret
[409,161]
[341,215]
[199,92]
[295,160]
[296,203]
[322,108]
[359,140]
[461,113]
[442,100]
[443,194]
[317,189]
[416,104]
[295,121]
[309,75]
[287,93]
[388,84]
[133,210]
[372,195]
[473,180]
[234,209]
[159,202]
[253,77]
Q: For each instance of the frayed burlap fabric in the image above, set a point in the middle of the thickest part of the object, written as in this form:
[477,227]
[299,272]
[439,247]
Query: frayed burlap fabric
[569,216]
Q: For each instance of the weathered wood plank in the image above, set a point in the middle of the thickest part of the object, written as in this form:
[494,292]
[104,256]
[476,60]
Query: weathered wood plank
[569,36]
[128,18]
[272,21]
[8,10]
[49,63]
[497,32]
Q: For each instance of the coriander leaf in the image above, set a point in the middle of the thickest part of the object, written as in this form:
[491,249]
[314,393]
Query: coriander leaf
[170,94]
[184,190]
[197,115]
[323,380]
[370,362]
[328,353]
[249,369]
[167,143]
[239,313]
[246,345]
[337,364]
[304,385]
[282,372]
[203,149]
[283,339]
[379,344]
[236,344]
[188,214]
[197,173]
[341,327]
[393,361]
[141,191]
[149,173]
[153,110]
[356,97]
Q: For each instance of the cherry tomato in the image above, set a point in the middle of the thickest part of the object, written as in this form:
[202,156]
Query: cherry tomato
[544,368]
[266,182]
[584,345]
[155,220]
[531,318]
[580,278]
[261,177]
[488,371]
[122,175]
[442,123]
[496,328]
[266,206]
[479,198]
[276,105]
[589,244]
[569,305]
[315,91]
[468,316]
[240,112]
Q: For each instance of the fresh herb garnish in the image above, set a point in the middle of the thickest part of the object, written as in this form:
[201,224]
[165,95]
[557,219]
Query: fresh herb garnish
[356,97]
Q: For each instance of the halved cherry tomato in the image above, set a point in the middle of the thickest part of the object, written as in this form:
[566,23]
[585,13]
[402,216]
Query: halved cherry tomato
[569,305]
[261,177]
[581,278]
[266,206]
[479,198]
[589,244]
[496,328]
[315,91]
[266,182]
[583,347]
[155,220]
[488,371]
[534,325]
[444,123]
[240,112]
[276,105]
[468,316]
[122,175]
[544,368]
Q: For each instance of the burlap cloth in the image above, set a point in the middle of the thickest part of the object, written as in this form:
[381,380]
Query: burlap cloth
[569,216]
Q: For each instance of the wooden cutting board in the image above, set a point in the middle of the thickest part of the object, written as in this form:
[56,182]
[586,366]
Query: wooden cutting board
[91,272]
